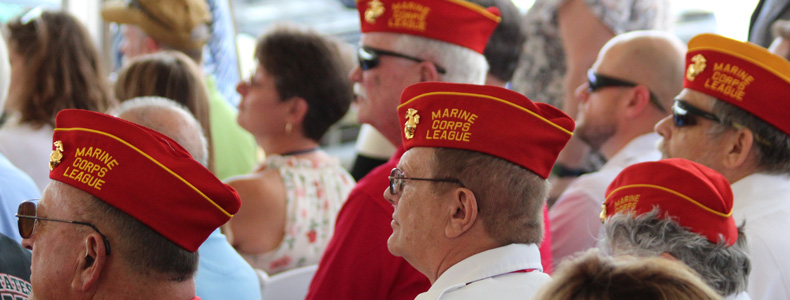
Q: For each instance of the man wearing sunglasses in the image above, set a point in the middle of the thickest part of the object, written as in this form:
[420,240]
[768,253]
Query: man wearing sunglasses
[124,214]
[401,44]
[468,210]
[630,87]
[732,117]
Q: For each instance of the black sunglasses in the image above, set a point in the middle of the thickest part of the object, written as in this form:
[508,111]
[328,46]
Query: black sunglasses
[397,180]
[684,114]
[597,81]
[27,219]
[369,58]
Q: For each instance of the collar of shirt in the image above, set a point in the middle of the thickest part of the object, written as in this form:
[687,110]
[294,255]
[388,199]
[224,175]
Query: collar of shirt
[486,264]
[634,152]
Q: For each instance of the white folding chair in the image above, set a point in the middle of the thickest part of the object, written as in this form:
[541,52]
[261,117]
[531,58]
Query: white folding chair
[288,285]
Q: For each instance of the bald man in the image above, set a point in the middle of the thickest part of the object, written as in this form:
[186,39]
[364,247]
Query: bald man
[630,88]
[222,273]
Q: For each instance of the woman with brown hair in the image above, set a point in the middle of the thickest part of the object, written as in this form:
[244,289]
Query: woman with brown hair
[172,75]
[596,277]
[291,201]
[54,65]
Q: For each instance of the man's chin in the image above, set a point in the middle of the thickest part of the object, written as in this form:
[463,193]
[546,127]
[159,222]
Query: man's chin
[392,247]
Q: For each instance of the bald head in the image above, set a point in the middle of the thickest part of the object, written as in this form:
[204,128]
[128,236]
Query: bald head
[650,57]
[168,118]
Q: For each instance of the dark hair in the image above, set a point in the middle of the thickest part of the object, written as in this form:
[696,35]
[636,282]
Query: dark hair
[172,75]
[146,251]
[510,198]
[306,64]
[505,44]
[62,68]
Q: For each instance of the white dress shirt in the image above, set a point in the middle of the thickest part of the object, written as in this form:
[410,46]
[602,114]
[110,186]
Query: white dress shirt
[763,201]
[509,272]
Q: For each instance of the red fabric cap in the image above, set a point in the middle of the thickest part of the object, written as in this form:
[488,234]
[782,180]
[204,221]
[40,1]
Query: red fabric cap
[742,74]
[697,197]
[486,119]
[454,21]
[141,172]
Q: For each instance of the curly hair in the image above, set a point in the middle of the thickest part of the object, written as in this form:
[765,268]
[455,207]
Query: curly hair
[725,268]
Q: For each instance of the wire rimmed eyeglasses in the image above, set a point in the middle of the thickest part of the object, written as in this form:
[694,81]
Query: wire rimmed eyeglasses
[27,220]
[397,180]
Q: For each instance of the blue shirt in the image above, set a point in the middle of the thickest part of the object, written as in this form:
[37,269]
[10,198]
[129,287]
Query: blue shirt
[223,274]
[15,187]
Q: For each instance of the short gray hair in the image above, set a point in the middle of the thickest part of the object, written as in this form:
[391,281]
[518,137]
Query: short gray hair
[510,198]
[772,145]
[169,118]
[463,65]
[725,268]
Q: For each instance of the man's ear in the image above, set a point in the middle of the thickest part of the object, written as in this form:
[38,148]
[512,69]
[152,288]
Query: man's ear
[428,72]
[638,100]
[739,147]
[463,212]
[89,267]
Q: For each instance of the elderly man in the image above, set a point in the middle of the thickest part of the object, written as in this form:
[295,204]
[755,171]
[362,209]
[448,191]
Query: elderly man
[732,117]
[402,43]
[678,208]
[469,190]
[151,26]
[124,215]
[222,273]
[630,88]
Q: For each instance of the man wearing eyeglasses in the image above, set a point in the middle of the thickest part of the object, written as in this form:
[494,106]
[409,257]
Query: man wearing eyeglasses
[124,214]
[732,117]
[629,88]
[402,43]
[468,198]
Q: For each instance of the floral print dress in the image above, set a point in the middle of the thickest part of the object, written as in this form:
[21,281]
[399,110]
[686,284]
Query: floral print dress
[314,194]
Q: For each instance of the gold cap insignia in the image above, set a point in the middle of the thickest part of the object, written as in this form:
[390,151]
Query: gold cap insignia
[697,67]
[56,155]
[603,213]
[375,10]
[411,123]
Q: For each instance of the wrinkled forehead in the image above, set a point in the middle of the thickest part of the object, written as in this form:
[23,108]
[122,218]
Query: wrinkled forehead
[697,99]
[62,198]
[380,40]
[418,160]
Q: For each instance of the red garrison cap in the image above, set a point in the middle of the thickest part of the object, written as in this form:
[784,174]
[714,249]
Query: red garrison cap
[454,21]
[697,197]
[485,119]
[141,172]
[742,74]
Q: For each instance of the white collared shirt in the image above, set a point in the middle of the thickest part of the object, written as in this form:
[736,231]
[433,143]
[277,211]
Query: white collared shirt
[492,274]
[763,201]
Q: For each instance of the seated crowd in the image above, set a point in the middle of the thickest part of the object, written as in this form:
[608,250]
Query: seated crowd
[157,187]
